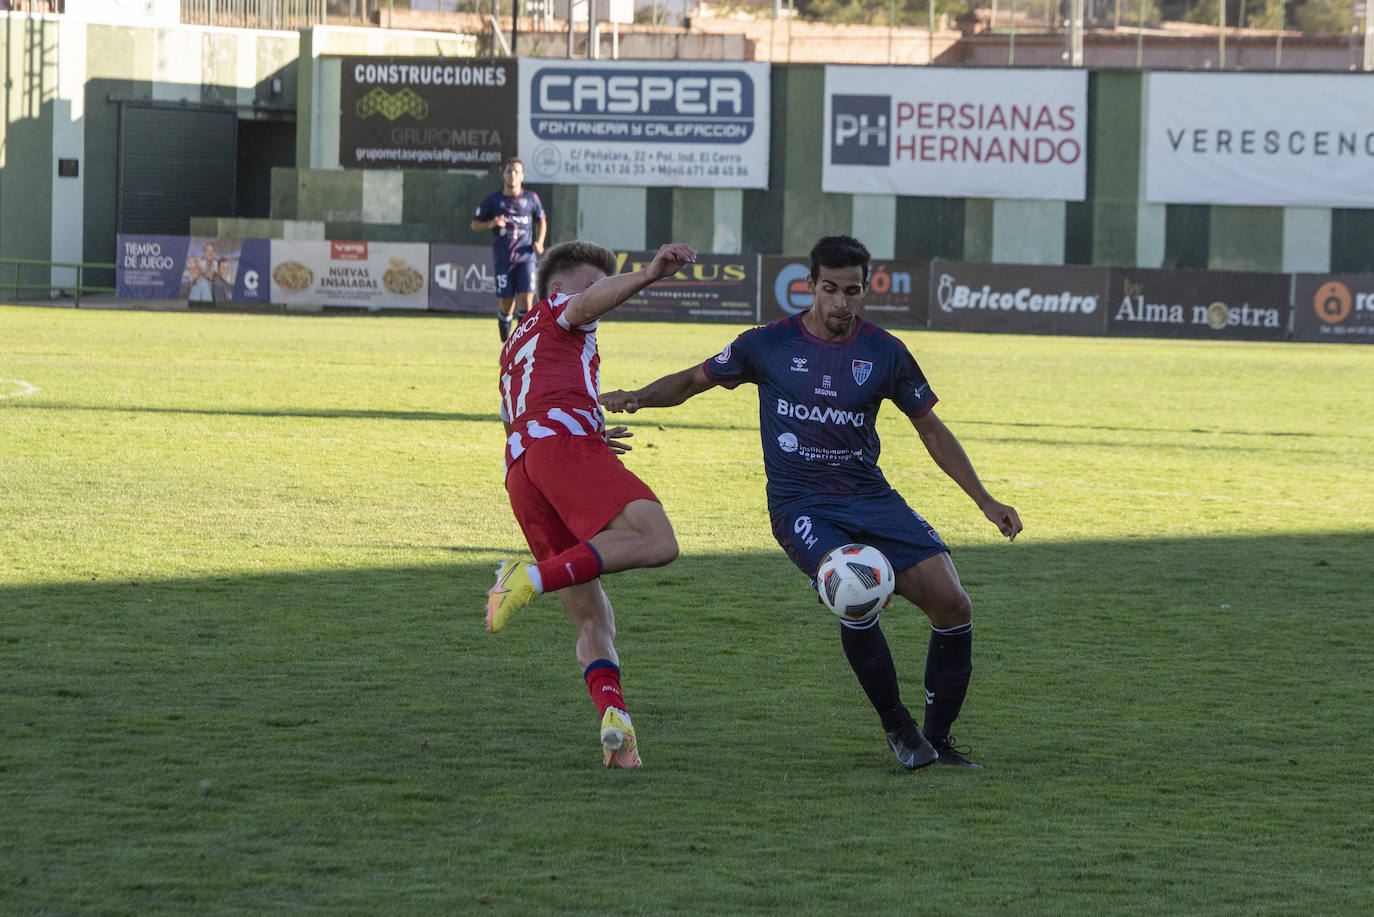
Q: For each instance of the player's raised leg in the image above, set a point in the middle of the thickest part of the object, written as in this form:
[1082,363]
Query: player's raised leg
[639,536]
[933,585]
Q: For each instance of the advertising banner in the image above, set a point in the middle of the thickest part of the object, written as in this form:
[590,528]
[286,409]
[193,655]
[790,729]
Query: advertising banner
[1282,140]
[1334,307]
[461,278]
[677,123]
[426,112]
[199,269]
[1198,304]
[1019,298]
[896,296]
[951,132]
[714,288]
[365,275]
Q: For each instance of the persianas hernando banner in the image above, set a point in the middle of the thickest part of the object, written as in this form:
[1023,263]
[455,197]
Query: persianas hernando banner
[674,123]
[945,132]
[1283,140]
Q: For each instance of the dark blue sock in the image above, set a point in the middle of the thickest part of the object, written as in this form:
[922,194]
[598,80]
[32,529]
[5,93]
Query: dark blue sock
[949,663]
[869,657]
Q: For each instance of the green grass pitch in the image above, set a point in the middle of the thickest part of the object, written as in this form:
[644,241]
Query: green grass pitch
[243,669]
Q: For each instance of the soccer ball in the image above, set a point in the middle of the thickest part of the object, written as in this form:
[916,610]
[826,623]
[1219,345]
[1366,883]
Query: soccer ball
[856,582]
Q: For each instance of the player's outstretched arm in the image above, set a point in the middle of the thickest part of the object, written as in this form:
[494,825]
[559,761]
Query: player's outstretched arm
[609,292]
[945,449]
[662,393]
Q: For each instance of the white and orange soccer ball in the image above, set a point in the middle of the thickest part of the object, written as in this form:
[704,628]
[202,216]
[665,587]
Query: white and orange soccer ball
[855,582]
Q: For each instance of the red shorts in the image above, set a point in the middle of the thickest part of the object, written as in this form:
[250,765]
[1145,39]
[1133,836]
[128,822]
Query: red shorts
[565,489]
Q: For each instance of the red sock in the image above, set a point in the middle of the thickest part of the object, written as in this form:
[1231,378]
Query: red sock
[603,681]
[578,564]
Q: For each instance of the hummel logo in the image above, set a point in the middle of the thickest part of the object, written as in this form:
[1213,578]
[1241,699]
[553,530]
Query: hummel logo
[799,365]
[930,697]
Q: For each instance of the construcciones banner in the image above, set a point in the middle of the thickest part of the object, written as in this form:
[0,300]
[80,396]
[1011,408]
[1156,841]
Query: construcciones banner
[426,112]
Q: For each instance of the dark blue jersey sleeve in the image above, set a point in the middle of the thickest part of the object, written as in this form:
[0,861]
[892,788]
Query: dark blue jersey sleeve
[909,389]
[736,363]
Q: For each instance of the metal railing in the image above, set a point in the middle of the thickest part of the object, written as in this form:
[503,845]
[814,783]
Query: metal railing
[258,14]
[77,289]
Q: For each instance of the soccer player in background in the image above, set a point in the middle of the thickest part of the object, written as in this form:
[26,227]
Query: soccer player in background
[511,215]
[821,376]
[582,511]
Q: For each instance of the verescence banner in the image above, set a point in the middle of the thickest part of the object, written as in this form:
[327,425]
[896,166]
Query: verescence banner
[1257,139]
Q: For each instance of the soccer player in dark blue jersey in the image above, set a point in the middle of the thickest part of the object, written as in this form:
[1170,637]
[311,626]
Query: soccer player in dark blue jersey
[821,377]
[517,221]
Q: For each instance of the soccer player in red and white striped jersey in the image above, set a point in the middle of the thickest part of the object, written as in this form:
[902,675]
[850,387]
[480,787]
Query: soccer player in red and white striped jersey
[583,513]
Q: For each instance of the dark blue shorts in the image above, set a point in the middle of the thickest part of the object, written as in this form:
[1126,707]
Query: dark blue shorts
[808,533]
[517,278]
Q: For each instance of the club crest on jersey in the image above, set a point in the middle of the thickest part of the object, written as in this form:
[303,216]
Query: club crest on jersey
[862,370]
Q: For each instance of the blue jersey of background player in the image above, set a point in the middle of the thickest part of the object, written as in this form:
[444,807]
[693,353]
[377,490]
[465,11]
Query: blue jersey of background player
[516,219]
[821,377]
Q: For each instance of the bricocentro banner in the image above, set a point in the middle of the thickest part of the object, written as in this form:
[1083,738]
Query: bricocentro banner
[1223,305]
[1017,298]
[1334,307]
[714,288]
[896,296]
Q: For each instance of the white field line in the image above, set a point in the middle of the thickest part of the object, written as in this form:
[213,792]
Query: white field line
[25,388]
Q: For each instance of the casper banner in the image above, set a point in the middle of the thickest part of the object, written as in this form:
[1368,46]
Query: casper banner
[461,278]
[1334,307]
[1282,140]
[426,112]
[714,288]
[1020,298]
[199,269]
[364,275]
[669,123]
[896,296]
[948,132]
[1198,304]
